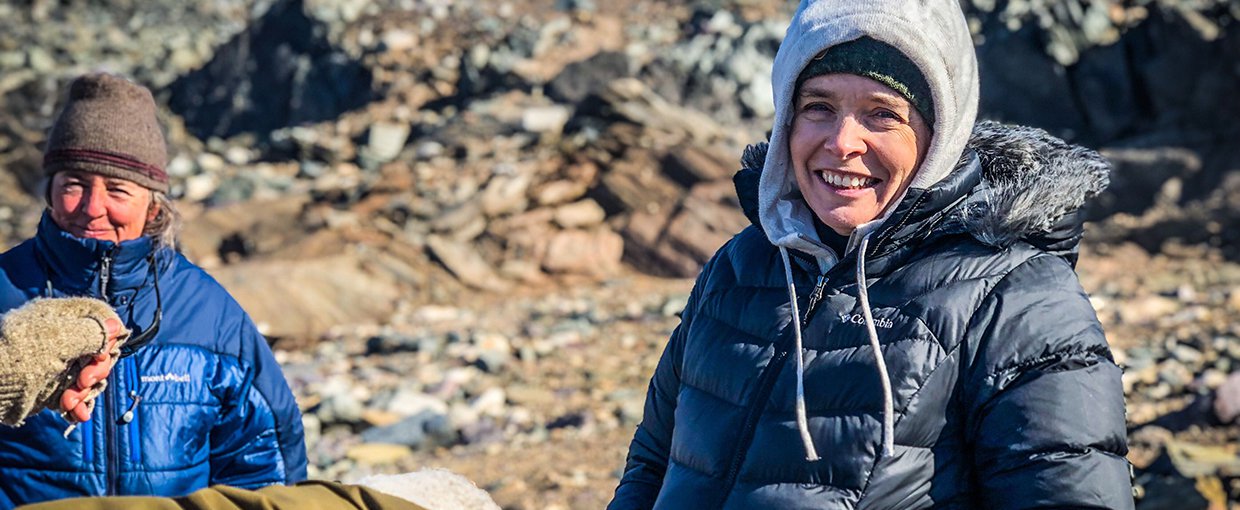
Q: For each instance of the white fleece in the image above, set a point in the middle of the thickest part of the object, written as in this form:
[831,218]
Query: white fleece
[932,33]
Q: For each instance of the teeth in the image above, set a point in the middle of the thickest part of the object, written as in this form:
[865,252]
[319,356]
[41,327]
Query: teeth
[847,182]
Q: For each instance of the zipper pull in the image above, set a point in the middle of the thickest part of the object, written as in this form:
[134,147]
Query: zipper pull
[105,273]
[133,406]
[815,296]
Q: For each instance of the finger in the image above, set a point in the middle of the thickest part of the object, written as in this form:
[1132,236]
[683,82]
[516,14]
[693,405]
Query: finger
[81,412]
[71,398]
[106,354]
[94,372]
[113,327]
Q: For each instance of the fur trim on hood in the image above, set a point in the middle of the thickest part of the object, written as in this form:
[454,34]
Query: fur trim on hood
[1033,187]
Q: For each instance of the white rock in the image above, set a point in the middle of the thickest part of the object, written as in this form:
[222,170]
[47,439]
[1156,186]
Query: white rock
[199,187]
[386,140]
[545,119]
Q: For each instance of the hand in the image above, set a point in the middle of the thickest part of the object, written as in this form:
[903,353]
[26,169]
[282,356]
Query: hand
[76,400]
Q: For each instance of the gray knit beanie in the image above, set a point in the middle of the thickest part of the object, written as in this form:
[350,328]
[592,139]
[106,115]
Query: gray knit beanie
[44,345]
[877,61]
[108,127]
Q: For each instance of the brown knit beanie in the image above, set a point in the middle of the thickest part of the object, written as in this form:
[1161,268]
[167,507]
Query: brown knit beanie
[108,127]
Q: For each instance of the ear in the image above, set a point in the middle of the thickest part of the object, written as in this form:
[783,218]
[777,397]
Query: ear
[153,210]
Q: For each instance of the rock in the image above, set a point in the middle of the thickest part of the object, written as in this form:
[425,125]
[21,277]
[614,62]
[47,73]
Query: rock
[339,404]
[199,187]
[590,252]
[465,263]
[304,298]
[558,192]
[690,165]
[369,454]
[505,194]
[391,343]
[1196,460]
[407,402]
[211,163]
[493,351]
[1147,310]
[385,141]
[635,184]
[429,149]
[302,79]
[674,305]
[423,429]
[530,396]
[545,119]
[588,77]
[399,40]
[582,214]
[1227,399]
[489,403]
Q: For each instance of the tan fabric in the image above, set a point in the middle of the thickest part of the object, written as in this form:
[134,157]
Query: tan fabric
[108,126]
[436,489]
[314,495]
[43,346]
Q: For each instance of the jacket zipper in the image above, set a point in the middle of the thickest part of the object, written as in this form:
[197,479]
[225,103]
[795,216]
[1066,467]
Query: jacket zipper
[766,382]
[130,416]
[110,394]
[111,435]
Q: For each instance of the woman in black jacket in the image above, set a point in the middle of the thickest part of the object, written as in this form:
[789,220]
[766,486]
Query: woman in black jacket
[902,326]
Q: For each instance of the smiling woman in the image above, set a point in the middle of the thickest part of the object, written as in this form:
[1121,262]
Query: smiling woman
[855,145]
[226,415]
[93,206]
[901,327]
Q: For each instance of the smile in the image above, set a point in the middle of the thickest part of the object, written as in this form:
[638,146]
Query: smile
[841,180]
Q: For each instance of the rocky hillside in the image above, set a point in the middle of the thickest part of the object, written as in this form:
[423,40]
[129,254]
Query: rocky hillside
[486,197]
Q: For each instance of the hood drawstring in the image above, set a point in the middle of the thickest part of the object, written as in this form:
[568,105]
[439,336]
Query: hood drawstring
[888,400]
[802,422]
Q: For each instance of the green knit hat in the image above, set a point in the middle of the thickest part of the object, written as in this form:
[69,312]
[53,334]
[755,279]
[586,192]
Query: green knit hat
[877,61]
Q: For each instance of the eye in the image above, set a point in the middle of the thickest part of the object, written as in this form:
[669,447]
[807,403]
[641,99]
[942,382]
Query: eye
[119,191]
[815,110]
[71,187]
[886,114]
[816,106]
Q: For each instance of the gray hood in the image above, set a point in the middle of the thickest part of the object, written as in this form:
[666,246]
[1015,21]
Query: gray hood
[934,35]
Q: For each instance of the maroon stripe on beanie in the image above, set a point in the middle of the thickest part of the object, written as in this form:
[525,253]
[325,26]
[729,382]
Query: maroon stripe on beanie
[107,158]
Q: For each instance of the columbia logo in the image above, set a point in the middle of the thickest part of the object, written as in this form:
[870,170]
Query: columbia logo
[165,378]
[856,318]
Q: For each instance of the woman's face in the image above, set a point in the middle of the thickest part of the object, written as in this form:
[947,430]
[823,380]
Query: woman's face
[93,206]
[855,146]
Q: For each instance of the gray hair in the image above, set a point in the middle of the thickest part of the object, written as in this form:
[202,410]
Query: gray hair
[166,226]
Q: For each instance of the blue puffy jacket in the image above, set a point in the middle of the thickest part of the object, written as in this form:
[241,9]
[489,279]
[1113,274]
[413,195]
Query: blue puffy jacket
[202,403]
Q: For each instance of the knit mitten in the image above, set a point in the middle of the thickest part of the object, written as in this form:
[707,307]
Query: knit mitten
[43,346]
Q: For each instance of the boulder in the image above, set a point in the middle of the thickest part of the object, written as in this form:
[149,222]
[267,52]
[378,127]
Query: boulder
[589,252]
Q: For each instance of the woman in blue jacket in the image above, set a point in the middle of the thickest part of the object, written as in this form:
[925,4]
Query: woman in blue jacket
[198,398]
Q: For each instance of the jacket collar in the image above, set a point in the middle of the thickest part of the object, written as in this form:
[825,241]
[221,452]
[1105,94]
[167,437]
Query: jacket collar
[74,264]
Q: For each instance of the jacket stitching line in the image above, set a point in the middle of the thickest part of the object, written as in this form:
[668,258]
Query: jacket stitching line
[1057,355]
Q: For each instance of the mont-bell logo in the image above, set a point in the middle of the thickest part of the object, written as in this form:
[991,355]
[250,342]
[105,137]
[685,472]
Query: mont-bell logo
[856,318]
[168,377]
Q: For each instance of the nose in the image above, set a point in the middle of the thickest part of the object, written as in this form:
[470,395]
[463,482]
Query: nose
[94,204]
[847,141]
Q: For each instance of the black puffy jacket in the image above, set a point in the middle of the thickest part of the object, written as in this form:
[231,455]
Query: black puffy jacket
[1004,391]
